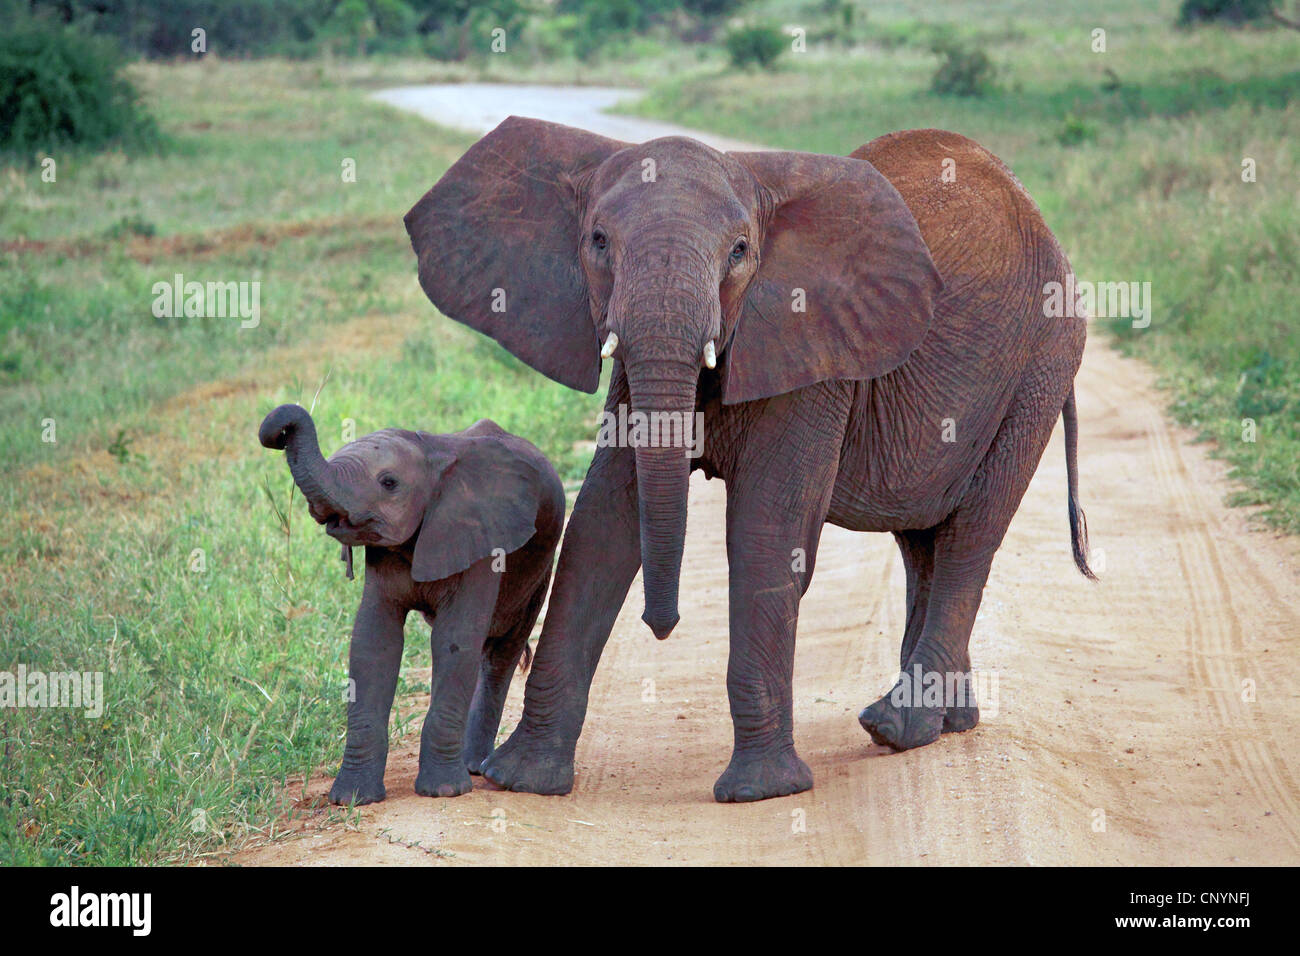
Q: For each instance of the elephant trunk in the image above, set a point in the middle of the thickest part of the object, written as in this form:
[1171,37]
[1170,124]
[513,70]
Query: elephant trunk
[663,396]
[290,427]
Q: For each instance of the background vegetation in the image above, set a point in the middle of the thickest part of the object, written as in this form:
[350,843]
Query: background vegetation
[60,86]
[158,542]
[449,29]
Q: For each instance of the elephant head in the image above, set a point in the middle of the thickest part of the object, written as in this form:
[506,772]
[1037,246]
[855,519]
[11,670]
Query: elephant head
[456,498]
[781,269]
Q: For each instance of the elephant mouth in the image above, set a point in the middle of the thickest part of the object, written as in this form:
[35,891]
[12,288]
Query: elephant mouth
[345,532]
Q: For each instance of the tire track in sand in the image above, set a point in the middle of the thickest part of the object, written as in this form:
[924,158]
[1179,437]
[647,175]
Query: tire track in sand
[1215,638]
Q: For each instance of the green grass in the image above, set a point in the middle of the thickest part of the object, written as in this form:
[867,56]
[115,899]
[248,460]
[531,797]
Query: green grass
[223,683]
[1135,156]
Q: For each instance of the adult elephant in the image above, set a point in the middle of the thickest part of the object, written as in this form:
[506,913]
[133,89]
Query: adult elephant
[867,341]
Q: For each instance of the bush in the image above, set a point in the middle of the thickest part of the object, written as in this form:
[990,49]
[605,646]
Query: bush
[61,87]
[711,8]
[162,28]
[597,24]
[350,26]
[756,45]
[394,18]
[1075,130]
[965,70]
[1232,11]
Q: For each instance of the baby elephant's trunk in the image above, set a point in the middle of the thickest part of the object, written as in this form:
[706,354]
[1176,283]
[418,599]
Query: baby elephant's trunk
[291,428]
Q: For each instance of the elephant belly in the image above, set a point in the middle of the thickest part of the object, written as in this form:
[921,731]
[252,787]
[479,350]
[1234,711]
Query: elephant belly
[863,507]
[914,441]
[526,570]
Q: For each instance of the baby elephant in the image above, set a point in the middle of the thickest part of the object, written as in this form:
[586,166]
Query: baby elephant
[460,527]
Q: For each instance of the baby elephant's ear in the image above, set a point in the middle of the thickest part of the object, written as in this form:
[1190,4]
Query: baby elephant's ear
[484,505]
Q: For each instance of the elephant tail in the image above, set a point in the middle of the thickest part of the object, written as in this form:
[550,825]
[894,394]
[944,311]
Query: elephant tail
[1078,521]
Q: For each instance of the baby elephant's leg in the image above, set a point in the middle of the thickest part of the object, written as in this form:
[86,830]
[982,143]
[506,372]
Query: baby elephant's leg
[373,662]
[500,658]
[460,626]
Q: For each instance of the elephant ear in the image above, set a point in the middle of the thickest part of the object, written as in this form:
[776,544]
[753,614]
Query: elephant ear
[485,499]
[845,285]
[497,243]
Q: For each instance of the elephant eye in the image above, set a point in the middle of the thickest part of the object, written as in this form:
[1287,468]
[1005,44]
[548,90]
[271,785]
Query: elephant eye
[599,239]
[738,252]
[388,482]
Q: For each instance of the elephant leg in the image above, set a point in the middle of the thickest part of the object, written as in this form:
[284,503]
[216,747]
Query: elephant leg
[500,658]
[599,559]
[374,659]
[775,514]
[962,711]
[917,548]
[460,626]
[936,674]
[935,692]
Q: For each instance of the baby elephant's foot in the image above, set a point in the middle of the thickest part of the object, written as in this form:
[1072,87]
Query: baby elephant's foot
[758,775]
[902,722]
[474,761]
[357,787]
[443,780]
[526,764]
[479,743]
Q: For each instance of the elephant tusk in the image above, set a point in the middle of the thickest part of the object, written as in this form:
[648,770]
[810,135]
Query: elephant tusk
[611,343]
[710,355]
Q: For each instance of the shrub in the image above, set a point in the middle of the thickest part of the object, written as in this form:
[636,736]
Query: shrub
[1231,11]
[350,26]
[598,24]
[965,70]
[755,45]
[1075,130]
[393,18]
[162,28]
[131,225]
[711,8]
[607,16]
[61,87]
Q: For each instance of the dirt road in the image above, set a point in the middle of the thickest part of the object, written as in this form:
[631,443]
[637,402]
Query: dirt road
[1145,719]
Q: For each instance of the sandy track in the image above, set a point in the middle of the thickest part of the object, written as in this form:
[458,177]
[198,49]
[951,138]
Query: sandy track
[1119,732]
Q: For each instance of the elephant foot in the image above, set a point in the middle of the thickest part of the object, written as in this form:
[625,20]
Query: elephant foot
[963,713]
[474,761]
[758,775]
[958,720]
[898,722]
[442,780]
[479,743]
[357,787]
[526,764]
